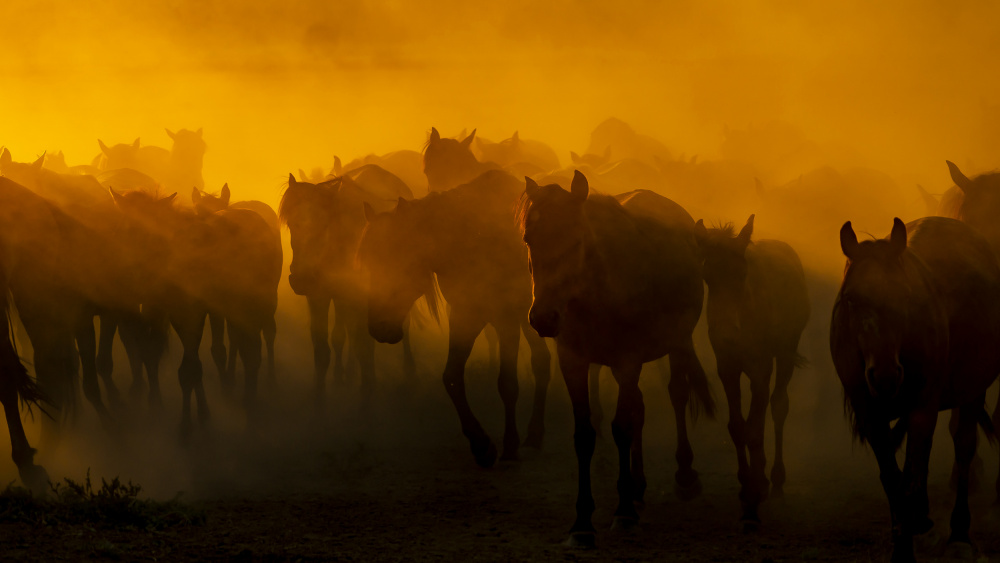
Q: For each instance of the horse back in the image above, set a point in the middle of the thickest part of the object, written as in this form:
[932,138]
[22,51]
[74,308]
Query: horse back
[651,205]
[778,300]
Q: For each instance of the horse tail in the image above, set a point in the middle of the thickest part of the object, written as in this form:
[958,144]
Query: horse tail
[986,423]
[702,400]
[11,367]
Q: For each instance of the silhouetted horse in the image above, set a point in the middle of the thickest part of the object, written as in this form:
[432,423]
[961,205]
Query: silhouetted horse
[225,263]
[187,156]
[20,263]
[978,205]
[206,204]
[515,151]
[407,165]
[449,163]
[325,222]
[617,282]
[89,204]
[757,309]
[914,331]
[177,169]
[467,238]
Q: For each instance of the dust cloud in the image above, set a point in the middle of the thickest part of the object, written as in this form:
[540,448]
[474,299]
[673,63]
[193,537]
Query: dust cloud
[838,110]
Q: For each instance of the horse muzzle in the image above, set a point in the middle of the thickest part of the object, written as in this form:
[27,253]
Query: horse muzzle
[545,323]
[386,333]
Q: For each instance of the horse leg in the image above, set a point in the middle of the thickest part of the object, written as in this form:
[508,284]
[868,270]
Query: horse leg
[319,319]
[249,347]
[596,411]
[760,386]
[217,323]
[235,353]
[964,437]
[509,334]
[785,366]
[130,329]
[541,368]
[626,428]
[364,348]
[409,363]
[996,427]
[269,332]
[921,423]
[729,373]
[87,345]
[574,370]
[493,346]
[155,345]
[105,361]
[879,436]
[687,484]
[462,333]
[14,383]
[189,322]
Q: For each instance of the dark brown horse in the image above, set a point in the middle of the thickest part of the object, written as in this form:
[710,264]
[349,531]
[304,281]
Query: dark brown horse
[206,204]
[757,309]
[617,282]
[978,205]
[325,222]
[468,240]
[914,332]
[225,263]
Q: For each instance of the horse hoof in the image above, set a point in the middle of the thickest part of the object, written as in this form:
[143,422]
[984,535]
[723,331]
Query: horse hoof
[488,457]
[36,479]
[960,550]
[582,540]
[624,523]
[749,526]
[688,491]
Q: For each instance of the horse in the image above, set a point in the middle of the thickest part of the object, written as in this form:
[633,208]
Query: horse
[187,156]
[516,151]
[449,162]
[913,332]
[407,165]
[467,239]
[88,203]
[325,222]
[978,204]
[150,160]
[222,263]
[617,282]
[178,168]
[206,204]
[758,307]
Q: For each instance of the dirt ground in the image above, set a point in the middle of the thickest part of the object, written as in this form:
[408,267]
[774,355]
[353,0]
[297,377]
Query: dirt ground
[396,482]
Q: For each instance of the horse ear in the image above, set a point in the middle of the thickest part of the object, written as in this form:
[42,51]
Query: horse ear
[104,148]
[171,134]
[5,157]
[759,186]
[338,167]
[961,180]
[848,241]
[574,157]
[291,179]
[37,165]
[225,194]
[169,200]
[303,176]
[530,187]
[115,196]
[369,212]
[897,238]
[135,143]
[195,195]
[468,140]
[580,187]
[401,203]
[700,232]
[435,136]
[515,137]
[745,233]
[198,132]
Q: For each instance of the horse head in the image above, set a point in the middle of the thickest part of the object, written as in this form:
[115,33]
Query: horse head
[396,258]
[311,213]
[554,229]
[725,271]
[206,203]
[980,206]
[449,162]
[873,300]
